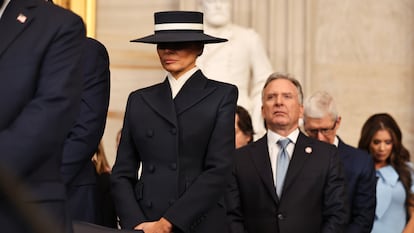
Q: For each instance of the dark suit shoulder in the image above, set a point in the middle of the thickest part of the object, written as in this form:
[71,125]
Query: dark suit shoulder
[346,150]
[92,45]
[146,89]
[252,148]
[219,84]
[49,10]
[306,141]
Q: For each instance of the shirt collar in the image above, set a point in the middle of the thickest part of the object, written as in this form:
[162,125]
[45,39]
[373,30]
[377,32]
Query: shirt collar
[177,84]
[273,137]
[336,141]
[388,175]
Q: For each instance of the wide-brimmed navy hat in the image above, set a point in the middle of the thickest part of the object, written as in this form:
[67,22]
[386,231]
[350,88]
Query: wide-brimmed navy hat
[178,26]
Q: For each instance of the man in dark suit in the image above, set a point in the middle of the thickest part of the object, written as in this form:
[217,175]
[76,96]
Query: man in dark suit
[78,171]
[311,198]
[40,90]
[182,132]
[321,121]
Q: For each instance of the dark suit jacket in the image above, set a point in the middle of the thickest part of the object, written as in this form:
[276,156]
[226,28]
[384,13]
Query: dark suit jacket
[313,197]
[78,171]
[361,186]
[40,47]
[186,148]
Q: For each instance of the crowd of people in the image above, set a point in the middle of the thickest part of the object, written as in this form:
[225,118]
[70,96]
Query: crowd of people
[187,157]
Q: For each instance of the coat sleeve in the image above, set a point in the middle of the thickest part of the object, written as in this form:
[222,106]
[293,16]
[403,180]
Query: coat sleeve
[84,137]
[364,200]
[233,205]
[335,211]
[124,177]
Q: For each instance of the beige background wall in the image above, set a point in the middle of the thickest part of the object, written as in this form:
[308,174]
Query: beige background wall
[360,51]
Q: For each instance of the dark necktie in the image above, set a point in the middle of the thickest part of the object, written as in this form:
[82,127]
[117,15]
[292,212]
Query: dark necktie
[1,3]
[282,165]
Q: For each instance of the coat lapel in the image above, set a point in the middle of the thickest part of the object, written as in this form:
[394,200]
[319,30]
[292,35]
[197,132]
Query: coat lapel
[193,91]
[301,153]
[344,152]
[260,157]
[160,100]
[16,18]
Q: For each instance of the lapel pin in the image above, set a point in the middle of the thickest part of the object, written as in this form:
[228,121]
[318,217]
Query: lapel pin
[308,150]
[21,18]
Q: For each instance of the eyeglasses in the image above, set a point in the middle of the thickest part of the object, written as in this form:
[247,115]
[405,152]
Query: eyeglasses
[323,131]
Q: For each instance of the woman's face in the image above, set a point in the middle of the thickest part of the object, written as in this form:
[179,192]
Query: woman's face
[242,139]
[380,147]
[178,58]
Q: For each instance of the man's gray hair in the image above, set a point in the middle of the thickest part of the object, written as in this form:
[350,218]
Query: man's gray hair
[275,76]
[319,104]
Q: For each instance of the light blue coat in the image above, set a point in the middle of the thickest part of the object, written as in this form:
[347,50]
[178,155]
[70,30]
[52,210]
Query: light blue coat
[390,214]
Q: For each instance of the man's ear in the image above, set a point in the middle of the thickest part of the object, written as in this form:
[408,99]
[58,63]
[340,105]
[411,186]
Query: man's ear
[338,121]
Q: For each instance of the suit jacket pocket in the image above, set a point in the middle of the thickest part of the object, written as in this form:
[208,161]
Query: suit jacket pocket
[139,187]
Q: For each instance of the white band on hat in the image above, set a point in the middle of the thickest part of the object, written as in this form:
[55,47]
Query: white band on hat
[178,26]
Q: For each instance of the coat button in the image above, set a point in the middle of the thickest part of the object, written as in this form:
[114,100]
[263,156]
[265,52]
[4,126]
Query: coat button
[173,166]
[280,216]
[173,131]
[148,204]
[151,168]
[150,133]
[171,202]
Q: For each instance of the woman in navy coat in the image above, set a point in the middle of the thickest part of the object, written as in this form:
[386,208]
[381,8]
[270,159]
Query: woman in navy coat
[181,132]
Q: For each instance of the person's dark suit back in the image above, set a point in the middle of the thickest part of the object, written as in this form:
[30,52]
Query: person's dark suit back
[40,48]
[361,179]
[78,171]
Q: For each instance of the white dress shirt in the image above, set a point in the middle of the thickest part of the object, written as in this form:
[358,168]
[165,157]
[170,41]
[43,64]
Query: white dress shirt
[177,84]
[274,149]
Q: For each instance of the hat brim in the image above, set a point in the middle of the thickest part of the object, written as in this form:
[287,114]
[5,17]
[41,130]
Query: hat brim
[168,37]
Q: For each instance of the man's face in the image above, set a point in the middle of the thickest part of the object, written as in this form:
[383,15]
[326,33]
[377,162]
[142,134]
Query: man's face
[324,129]
[281,108]
[216,12]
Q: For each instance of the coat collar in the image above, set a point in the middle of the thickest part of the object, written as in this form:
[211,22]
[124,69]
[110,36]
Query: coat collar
[260,157]
[387,181]
[194,90]
[16,18]
[261,160]
[160,100]
[302,152]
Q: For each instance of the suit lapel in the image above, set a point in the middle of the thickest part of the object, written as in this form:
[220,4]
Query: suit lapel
[260,157]
[16,18]
[161,101]
[343,150]
[192,92]
[301,153]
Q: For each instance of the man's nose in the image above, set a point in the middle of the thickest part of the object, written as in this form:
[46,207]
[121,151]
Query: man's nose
[320,136]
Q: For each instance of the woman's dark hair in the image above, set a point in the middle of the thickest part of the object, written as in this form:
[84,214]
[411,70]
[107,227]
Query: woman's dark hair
[245,122]
[399,155]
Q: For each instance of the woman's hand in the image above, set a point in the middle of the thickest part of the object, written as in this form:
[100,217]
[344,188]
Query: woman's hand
[160,226]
